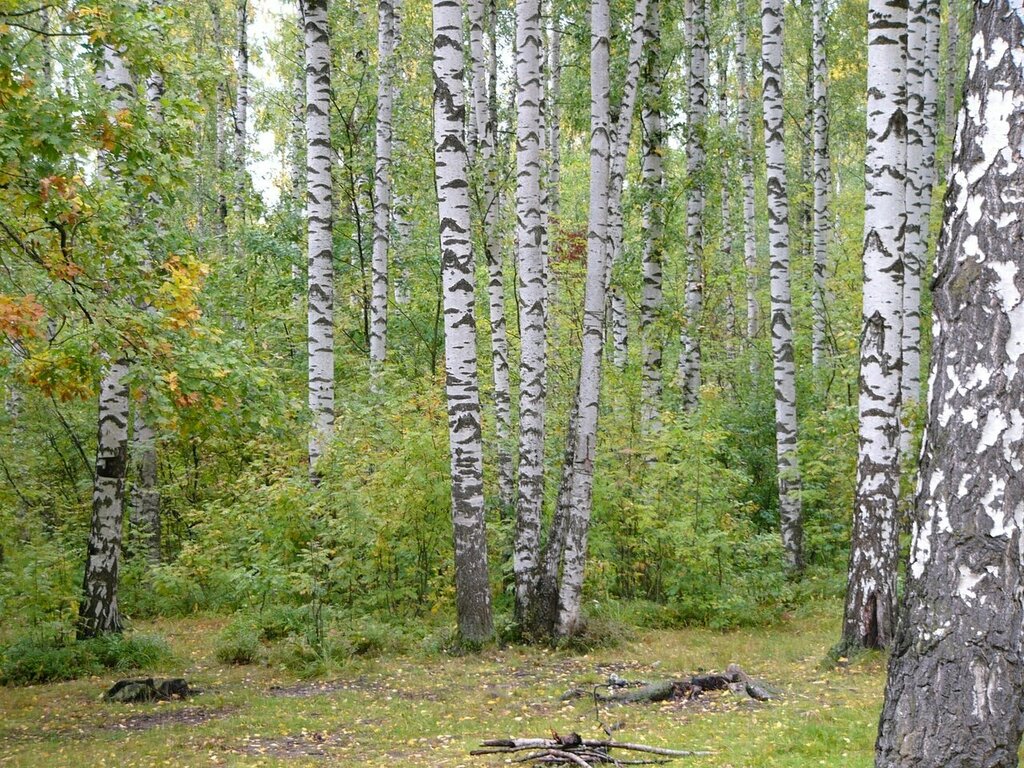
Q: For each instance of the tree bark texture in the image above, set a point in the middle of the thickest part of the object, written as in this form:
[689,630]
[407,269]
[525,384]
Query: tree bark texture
[870,613]
[820,346]
[955,691]
[241,103]
[145,514]
[784,364]
[747,180]
[472,587]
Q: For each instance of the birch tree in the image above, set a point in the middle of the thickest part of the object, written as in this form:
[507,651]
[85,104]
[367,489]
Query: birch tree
[319,227]
[98,611]
[870,612]
[784,364]
[956,675]
[821,170]
[472,588]
[747,178]
[532,299]
[689,373]
[384,140]
[241,102]
[922,89]
[653,175]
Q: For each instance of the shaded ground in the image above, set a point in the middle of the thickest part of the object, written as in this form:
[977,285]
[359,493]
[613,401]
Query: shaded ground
[429,711]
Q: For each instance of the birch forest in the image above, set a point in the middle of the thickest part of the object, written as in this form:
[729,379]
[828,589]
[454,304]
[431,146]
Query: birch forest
[396,376]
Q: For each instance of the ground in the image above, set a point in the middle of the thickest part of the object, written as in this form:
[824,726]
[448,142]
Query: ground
[431,710]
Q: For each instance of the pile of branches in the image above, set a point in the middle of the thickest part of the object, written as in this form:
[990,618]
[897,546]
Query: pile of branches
[575,750]
[632,692]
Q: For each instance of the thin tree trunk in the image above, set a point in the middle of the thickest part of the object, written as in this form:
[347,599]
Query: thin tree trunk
[956,676]
[584,452]
[382,187]
[747,182]
[319,228]
[486,119]
[241,105]
[653,174]
[220,129]
[472,588]
[922,88]
[870,613]
[819,334]
[725,229]
[145,516]
[784,364]
[689,373]
[554,123]
[532,301]
[952,74]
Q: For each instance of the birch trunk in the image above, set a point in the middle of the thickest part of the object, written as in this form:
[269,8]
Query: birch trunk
[784,364]
[689,373]
[382,187]
[588,395]
[486,118]
[241,104]
[472,589]
[621,132]
[820,224]
[532,300]
[319,228]
[554,122]
[922,87]
[870,613]
[145,517]
[97,609]
[956,676]
[653,174]
[747,182]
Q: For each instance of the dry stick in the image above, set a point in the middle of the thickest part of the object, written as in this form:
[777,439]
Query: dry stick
[518,745]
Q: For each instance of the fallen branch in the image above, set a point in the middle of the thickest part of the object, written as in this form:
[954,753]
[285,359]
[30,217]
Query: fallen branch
[626,692]
[575,750]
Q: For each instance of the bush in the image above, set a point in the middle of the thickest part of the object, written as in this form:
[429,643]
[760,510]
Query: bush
[32,660]
[239,642]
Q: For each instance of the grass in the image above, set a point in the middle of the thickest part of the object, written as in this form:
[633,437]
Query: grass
[429,710]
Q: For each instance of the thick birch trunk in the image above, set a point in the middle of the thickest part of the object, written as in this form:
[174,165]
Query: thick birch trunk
[955,693]
[922,87]
[870,614]
[472,588]
[820,298]
[319,228]
[747,182]
[689,372]
[382,187]
[653,174]
[584,452]
[486,119]
[532,300]
[784,364]
[145,516]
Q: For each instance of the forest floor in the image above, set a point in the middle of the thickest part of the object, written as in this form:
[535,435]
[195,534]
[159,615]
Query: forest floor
[432,709]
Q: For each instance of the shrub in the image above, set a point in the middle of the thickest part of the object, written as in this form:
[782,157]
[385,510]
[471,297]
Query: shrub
[35,659]
[239,642]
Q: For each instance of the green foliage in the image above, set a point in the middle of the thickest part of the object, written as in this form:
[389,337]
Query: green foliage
[239,642]
[38,658]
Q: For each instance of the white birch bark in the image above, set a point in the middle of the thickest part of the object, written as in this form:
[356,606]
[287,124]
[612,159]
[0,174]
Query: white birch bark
[784,364]
[922,88]
[822,172]
[384,141]
[98,609]
[653,174]
[486,120]
[472,588]
[956,675]
[145,516]
[870,613]
[554,123]
[584,453]
[319,228]
[747,182]
[532,300]
[689,369]
[241,103]
[621,132]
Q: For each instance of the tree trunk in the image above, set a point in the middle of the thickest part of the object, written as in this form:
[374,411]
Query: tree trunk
[747,183]
[382,187]
[869,618]
[241,105]
[554,123]
[472,588]
[689,373]
[820,346]
[955,693]
[952,74]
[922,88]
[784,364]
[319,227]
[588,395]
[653,173]
[145,516]
[532,301]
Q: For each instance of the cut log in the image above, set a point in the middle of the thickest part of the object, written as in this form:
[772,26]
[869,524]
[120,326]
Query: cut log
[626,692]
